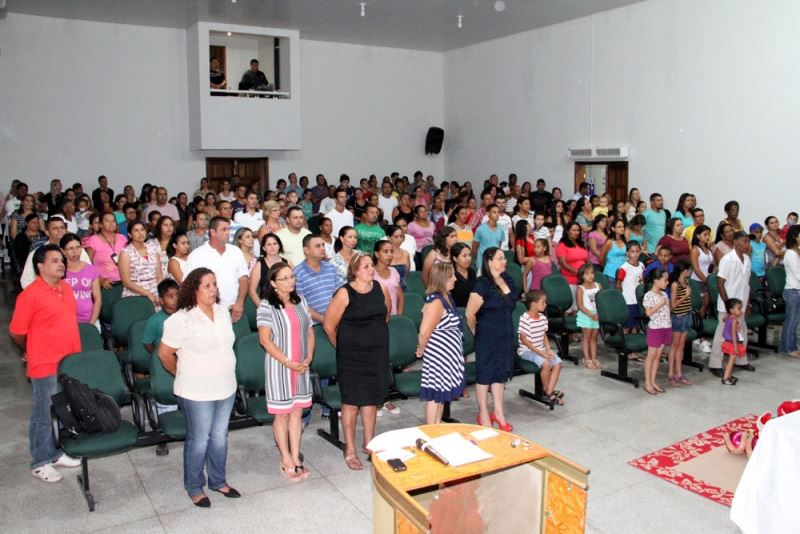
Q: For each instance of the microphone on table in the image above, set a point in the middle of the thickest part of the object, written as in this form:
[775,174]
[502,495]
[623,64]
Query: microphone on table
[425,446]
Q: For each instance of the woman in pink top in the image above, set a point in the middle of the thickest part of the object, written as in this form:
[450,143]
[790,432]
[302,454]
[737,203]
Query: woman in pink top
[82,277]
[597,239]
[103,249]
[387,276]
[421,229]
[571,253]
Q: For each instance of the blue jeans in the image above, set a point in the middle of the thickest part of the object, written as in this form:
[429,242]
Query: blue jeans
[40,435]
[789,331]
[206,443]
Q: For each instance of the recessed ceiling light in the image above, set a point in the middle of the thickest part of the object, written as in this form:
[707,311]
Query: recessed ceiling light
[499,6]
[460,19]
[363,9]
[229,34]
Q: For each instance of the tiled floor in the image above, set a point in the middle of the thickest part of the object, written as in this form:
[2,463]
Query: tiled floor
[603,425]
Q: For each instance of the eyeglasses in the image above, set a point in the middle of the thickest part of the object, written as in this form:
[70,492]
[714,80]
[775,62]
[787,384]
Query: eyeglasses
[285,278]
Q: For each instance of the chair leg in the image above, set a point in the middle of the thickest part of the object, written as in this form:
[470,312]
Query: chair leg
[83,482]
[687,357]
[564,348]
[761,340]
[538,392]
[622,374]
[332,436]
[446,414]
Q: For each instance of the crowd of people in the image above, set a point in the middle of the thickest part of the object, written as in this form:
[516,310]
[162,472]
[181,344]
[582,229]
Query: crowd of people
[341,256]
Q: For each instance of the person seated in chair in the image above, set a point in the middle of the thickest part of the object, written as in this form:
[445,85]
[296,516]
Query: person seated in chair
[217,77]
[254,79]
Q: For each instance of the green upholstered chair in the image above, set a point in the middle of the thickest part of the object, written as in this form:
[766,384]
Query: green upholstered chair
[127,311]
[468,340]
[323,367]
[136,359]
[250,378]
[250,311]
[511,257]
[559,300]
[109,297]
[90,337]
[241,327]
[99,369]
[414,283]
[613,314]
[172,424]
[413,307]
[403,335]
[713,293]
[600,278]
[524,367]
[515,272]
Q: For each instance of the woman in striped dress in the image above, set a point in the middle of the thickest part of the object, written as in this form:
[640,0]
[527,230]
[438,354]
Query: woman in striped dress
[284,330]
[440,345]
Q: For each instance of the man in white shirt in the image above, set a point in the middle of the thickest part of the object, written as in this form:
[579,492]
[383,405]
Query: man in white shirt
[583,192]
[329,202]
[340,216]
[292,235]
[733,282]
[228,264]
[225,209]
[14,202]
[250,217]
[162,206]
[387,202]
[56,229]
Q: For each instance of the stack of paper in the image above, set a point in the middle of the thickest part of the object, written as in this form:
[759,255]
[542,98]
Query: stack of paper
[457,450]
[397,439]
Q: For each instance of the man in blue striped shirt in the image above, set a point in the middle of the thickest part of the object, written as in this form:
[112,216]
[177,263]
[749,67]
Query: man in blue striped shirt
[317,280]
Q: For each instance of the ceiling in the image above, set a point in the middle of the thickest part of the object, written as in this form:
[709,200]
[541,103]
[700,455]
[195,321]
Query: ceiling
[415,24]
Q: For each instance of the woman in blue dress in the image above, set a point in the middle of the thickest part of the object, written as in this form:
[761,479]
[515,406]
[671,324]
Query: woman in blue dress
[488,316]
[440,345]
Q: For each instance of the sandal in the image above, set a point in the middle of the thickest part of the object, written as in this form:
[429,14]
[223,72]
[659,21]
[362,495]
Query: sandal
[597,364]
[302,472]
[589,364]
[673,381]
[658,388]
[683,380]
[353,462]
[290,473]
[635,358]
[650,391]
[558,394]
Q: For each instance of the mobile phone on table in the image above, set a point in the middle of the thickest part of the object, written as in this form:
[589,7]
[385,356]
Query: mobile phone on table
[396,464]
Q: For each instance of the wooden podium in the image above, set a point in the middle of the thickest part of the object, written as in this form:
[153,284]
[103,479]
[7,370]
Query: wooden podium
[526,489]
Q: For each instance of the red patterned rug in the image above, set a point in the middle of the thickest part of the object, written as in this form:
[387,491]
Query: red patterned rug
[701,464]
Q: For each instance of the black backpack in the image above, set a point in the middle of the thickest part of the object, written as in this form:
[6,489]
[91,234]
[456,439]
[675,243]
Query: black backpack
[83,411]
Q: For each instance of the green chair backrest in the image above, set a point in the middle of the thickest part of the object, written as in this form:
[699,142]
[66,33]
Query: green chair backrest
[109,297]
[611,307]
[711,282]
[516,315]
[250,361]
[776,280]
[468,337]
[241,327]
[697,298]
[554,269]
[402,341]
[127,311]
[97,369]
[425,250]
[557,290]
[250,311]
[90,337]
[324,362]
[511,256]
[413,307]
[414,283]
[161,382]
[515,272]
[137,354]
[600,278]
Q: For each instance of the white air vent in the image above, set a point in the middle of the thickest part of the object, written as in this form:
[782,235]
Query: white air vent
[598,153]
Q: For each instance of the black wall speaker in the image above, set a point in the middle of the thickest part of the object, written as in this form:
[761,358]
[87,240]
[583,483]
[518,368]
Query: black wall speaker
[433,141]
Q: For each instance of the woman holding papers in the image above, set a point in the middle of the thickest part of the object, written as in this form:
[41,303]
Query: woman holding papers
[440,344]
[489,317]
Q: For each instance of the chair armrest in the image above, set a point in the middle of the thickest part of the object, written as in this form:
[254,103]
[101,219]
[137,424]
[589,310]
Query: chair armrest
[152,413]
[138,409]
[316,388]
[127,372]
[56,427]
[608,328]
[241,400]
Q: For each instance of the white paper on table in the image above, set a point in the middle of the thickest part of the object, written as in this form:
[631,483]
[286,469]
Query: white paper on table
[457,450]
[397,439]
[483,434]
[400,454]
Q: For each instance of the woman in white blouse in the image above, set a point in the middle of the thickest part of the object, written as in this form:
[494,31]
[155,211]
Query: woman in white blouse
[197,347]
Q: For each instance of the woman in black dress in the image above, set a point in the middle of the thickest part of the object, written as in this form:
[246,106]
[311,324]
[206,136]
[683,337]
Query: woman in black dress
[489,317]
[461,253]
[355,324]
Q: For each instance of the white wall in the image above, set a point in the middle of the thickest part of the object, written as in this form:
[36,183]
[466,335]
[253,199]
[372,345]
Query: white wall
[703,93]
[79,99]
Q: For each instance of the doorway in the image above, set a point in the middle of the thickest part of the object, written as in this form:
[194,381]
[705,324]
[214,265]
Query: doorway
[604,177]
[245,171]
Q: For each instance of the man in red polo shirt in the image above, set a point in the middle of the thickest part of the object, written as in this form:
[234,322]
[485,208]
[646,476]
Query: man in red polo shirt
[45,324]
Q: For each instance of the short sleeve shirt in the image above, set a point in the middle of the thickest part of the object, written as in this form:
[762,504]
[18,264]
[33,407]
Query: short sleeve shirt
[661,318]
[654,228]
[368,236]
[736,273]
[206,362]
[81,284]
[48,317]
[487,238]
[575,257]
[103,250]
[228,267]
[154,328]
[317,287]
[533,330]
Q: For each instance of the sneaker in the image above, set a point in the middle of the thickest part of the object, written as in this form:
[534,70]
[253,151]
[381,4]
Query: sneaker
[728,382]
[380,411]
[705,346]
[67,461]
[47,473]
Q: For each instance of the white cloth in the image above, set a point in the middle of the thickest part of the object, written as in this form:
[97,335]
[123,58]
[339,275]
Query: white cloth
[504,222]
[206,362]
[28,275]
[327,204]
[387,205]
[339,220]
[12,205]
[765,501]
[791,262]
[410,245]
[737,278]
[228,267]
[253,221]
[293,244]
